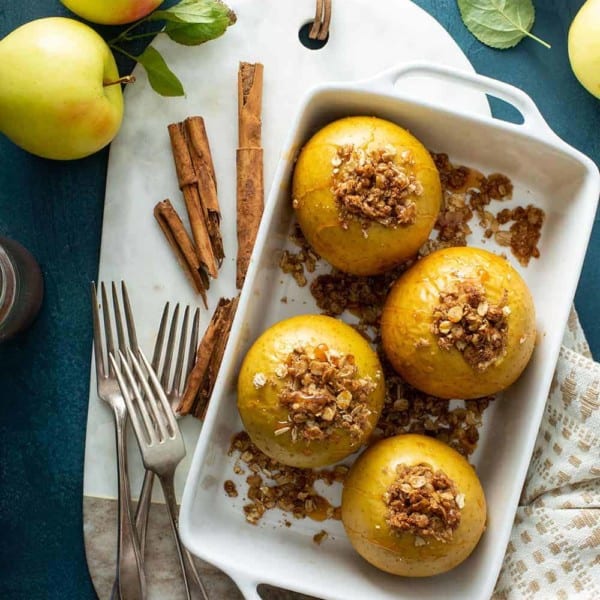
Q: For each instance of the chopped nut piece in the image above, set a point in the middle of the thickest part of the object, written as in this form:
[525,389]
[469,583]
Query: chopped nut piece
[324,392]
[281,371]
[503,238]
[482,331]
[373,187]
[455,314]
[422,501]
[319,537]
[482,309]
[230,489]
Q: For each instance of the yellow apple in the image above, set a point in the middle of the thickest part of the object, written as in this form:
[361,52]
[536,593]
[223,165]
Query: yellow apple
[584,46]
[364,511]
[54,97]
[353,247]
[112,12]
[263,413]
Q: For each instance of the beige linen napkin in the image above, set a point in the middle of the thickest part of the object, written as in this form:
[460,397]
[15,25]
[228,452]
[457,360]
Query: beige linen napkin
[554,549]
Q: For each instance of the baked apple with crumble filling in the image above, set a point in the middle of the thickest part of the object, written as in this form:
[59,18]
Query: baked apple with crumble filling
[460,323]
[310,391]
[413,506]
[366,194]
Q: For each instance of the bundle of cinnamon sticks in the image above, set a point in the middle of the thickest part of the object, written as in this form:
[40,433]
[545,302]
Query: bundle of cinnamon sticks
[201,254]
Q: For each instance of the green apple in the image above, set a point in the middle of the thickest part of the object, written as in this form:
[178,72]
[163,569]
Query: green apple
[112,12]
[584,46]
[56,100]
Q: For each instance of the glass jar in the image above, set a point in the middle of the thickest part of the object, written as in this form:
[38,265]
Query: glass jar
[21,288]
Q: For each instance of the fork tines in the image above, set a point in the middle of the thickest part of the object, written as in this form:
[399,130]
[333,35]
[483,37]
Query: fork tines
[103,367]
[173,383]
[156,423]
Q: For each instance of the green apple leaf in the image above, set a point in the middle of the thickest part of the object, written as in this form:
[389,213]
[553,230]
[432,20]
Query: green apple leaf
[207,12]
[193,34]
[499,23]
[161,78]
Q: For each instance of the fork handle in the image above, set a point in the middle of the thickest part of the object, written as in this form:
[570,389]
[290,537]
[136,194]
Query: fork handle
[193,584]
[130,572]
[141,522]
[143,509]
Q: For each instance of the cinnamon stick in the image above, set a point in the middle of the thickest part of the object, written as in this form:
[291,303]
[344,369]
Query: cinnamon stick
[250,205]
[210,379]
[201,156]
[209,355]
[249,162]
[182,245]
[250,84]
[187,178]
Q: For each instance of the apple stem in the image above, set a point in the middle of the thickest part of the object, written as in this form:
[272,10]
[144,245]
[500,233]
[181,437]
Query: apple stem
[125,79]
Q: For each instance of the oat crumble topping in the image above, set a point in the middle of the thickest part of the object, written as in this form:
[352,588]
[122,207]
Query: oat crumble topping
[296,263]
[468,192]
[465,320]
[423,502]
[364,296]
[274,485]
[408,410]
[523,234]
[259,380]
[372,187]
[323,393]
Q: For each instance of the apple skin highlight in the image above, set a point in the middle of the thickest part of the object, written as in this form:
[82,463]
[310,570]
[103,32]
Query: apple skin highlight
[112,12]
[53,101]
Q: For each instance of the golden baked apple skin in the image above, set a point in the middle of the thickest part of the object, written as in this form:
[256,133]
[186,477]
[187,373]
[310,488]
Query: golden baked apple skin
[364,511]
[316,208]
[412,347]
[260,409]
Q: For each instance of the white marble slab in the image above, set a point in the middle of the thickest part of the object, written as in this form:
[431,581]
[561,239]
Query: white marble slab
[366,37]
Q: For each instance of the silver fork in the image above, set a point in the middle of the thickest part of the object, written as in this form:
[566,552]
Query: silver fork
[160,441]
[174,391]
[130,574]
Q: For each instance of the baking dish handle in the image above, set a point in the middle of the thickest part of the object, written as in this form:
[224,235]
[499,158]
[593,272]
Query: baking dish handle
[533,120]
[246,585]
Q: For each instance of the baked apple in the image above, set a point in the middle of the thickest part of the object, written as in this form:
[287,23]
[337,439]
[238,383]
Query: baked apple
[366,194]
[460,323]
[310,391]
[413,506]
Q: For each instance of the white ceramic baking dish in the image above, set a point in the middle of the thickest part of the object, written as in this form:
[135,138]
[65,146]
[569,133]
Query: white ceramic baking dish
[546,172]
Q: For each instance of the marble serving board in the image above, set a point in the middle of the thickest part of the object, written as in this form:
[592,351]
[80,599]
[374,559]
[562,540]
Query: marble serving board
[365,38]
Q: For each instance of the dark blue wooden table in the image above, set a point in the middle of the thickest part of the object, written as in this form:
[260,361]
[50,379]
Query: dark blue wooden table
[55,209]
